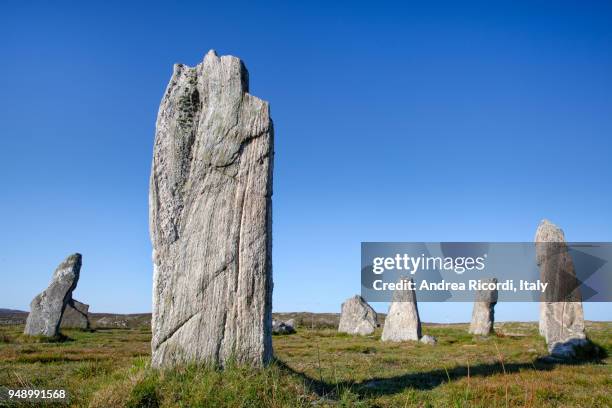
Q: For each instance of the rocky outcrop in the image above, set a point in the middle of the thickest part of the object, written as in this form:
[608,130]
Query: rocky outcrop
[47,308]
[429,340]
[483,315]
[76,316]
[561,313]
[357,317]
[402,322]
[280,327]
[210,217]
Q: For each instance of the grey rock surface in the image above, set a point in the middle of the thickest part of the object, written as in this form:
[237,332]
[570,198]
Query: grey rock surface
[280,327]
[76,315]
[210,218]
[483,314]
[47,308]
[357,317]
[430,340]
[402,322]
[561,322]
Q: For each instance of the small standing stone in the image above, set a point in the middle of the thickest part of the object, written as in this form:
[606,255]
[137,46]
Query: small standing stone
[430,340]
[483,315]
[47,308]
[357,317]
[561,313]
[402,322]
[75,316]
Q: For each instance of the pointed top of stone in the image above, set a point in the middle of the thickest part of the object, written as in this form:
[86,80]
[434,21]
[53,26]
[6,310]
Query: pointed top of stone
[549,232]
[357,317]
[404,295]
[68,271]
[72,264]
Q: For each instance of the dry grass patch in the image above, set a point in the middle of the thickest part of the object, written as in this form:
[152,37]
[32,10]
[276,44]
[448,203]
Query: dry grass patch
[317,367]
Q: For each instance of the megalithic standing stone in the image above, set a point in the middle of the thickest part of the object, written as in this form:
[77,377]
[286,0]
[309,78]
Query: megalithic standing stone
[210,218]
[402,322]
[47,308]
[76,316]
[561,313]
[357,317]
[483,315]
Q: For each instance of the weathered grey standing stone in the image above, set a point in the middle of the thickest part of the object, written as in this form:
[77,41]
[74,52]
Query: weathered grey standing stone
[47,308]
[357,317]
[210,217]
[76,315]
[483,315]
[561,314]
[402,322]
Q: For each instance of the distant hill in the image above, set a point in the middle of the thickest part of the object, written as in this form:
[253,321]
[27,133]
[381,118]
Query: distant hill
[5,311]
[11,316]
[139,320]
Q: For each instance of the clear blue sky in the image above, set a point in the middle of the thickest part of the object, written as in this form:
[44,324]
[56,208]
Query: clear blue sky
[464,121]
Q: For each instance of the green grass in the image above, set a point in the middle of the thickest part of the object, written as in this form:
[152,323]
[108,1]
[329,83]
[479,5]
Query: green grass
[316,367]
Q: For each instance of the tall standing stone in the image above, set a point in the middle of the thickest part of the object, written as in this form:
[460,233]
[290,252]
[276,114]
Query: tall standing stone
[47,308]
[561,314]
[483,315]
[357,317]
[210,217]
[76,315]
[402,322]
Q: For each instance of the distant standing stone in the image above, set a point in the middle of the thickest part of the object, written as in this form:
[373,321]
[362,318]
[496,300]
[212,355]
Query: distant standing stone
[76,315]
[561,313]
[210,218]
[47,308]
[483,315]
[357,317]
[402,322]
[280,327]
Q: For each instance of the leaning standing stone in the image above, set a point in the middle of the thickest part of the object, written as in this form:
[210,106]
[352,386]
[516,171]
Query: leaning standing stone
[561,314]
[402,322]
[483,315]
[47,308]
[357,317]
[210,217]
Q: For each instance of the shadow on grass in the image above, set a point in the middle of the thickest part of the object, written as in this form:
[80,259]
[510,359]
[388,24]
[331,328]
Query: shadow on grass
[25,339]
[428,380]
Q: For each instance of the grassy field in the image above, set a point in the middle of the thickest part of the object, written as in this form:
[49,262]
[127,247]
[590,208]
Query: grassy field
[315,367]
